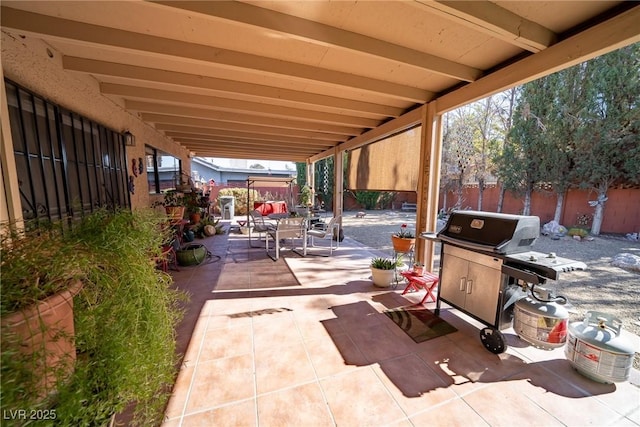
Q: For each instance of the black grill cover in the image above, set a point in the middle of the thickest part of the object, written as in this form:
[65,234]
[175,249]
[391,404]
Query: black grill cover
[491,232]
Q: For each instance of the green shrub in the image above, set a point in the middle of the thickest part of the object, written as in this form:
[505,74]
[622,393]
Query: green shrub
[240,196]
[125,319]
[575,231]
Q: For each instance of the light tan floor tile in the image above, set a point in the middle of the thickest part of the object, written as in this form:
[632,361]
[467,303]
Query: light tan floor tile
[311,329]
[455,365]
[218,343]
[335,357]
[273,332]
[303,405]
[180,392]
[625,400]
[323,336]
[359,398]
[569,404]
[413,385]
[242,414]
[453,413]
[507,403]
[379,342]
[221,381]
[281,367]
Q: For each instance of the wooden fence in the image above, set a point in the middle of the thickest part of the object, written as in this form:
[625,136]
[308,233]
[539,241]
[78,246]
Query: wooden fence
[621,211]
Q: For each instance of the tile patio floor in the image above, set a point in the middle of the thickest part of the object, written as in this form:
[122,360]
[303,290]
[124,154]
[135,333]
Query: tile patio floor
[264,347]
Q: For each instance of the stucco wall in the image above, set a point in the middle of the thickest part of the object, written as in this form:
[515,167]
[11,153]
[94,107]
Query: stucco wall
[37,66]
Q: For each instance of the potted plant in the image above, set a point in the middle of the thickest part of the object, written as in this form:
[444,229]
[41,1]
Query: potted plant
[194,205]
[404,240]
[174,204]
[306,200]
[124,318]
[383,271]
[41,274]
[418,268]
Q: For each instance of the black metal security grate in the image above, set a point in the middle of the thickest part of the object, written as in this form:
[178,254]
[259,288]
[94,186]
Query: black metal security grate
[67,165]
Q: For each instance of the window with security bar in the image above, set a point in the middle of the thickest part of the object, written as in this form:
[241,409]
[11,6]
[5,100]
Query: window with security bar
[67,165]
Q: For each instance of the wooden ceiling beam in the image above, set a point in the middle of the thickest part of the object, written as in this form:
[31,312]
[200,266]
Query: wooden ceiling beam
[258,140]
[327,35]
[489,18]
[231,146]
[258,131]
[311,116]
[619,31]
[245,120]
[357,108]
[244,154]
[129,41]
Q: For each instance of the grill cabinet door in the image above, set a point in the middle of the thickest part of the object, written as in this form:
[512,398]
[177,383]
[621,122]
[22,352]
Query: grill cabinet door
[483,289]
[471,281]
[454,280]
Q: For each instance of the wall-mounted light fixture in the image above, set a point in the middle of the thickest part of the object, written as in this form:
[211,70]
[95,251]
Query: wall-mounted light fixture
[129,139]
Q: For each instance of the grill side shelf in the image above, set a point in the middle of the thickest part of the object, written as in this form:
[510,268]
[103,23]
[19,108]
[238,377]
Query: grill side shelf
[527,276]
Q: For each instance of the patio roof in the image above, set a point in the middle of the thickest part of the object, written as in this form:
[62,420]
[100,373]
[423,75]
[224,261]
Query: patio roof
[293,80]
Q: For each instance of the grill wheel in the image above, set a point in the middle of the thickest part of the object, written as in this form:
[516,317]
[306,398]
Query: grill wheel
[493,340]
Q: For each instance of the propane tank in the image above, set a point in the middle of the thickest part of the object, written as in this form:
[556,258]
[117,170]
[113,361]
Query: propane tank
[541,321]
[596,349]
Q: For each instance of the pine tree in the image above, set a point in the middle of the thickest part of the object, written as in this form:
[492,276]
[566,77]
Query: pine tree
[608,140]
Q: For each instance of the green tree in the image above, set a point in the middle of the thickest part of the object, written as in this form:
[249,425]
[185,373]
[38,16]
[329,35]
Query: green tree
[506,109]
[520,162]
[608,140]
[458,151]
[558,147]
[301,173]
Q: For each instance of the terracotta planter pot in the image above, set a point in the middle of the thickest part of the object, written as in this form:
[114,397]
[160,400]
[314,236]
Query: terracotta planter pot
[195,218]
[175,213]
[401,244]
[47,331]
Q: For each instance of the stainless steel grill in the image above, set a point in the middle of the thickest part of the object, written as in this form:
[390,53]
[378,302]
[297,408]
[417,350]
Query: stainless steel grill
[485,258]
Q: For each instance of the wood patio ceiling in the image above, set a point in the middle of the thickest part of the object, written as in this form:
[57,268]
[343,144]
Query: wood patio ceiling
[290,80]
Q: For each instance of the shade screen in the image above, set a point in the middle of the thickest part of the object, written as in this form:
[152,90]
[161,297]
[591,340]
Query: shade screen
[390,164]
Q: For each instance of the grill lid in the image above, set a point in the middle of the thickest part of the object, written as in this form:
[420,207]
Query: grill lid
[491,232]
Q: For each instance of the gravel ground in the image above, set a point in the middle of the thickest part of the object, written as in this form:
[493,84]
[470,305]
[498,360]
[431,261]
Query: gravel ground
[602,287]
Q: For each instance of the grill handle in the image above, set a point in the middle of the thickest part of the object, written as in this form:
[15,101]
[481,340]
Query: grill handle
[527,276]
[467,245]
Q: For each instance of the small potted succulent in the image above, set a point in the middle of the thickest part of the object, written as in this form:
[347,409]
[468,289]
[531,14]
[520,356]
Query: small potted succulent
[418,268]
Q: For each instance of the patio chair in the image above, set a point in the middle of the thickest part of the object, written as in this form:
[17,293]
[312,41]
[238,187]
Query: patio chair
[260,226]
[330,230]
[288,228]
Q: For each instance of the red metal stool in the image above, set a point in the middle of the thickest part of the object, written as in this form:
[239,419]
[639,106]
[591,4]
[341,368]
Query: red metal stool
[428,282]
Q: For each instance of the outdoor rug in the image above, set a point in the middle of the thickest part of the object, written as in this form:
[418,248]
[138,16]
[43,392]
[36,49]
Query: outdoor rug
[419,323]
